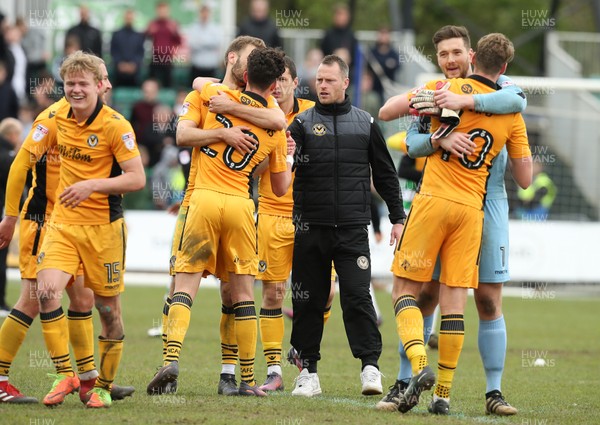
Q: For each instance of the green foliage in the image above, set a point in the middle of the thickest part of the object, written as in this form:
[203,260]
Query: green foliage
[565,392]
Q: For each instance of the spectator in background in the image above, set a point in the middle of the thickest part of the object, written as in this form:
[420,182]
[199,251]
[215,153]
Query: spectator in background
[340,34]
[369,101]
[9,106]
[5,55]
[13,37]
[535,201]
[72,44]
[10,141]
[260,25]
[26,116]
[158,133]
[164,33]
[141,113]
[204,41]
[127,51]
[384,62]
[90,38]
[307,86]
[34,44]
[44,93]
[168,181]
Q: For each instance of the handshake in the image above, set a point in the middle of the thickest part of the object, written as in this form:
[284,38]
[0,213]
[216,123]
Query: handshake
[423,103]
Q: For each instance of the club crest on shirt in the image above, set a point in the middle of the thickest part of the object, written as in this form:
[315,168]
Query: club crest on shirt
[92,141]
[362,262]
[466,88]
[319,129]
[262,266]
[39,133]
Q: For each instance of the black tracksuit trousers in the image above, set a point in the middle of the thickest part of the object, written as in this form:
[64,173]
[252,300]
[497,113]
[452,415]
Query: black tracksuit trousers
[315,247]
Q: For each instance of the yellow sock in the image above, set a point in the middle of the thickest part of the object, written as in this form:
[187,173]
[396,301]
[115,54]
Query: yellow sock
[409,323]
[245,334]
[81,335]
[450,343]
[229,348]
[110,357]
[165,322]
[271,335]
[180,313]
[56,335]
[12,333]
[327,314]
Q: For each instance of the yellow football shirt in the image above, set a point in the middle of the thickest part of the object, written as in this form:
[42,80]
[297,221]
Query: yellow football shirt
[45,165]
[268,203]
[464,180]
[224,170]
[92,150]
[193,109]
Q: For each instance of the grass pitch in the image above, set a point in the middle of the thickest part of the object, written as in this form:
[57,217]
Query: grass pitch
[563,332]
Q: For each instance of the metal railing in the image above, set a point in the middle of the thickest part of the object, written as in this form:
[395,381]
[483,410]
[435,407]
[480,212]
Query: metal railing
[584,47]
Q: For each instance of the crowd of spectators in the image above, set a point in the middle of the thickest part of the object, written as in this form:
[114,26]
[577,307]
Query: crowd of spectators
[151,70]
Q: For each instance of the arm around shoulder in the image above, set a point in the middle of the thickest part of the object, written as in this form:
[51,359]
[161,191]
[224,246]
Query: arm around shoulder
[508,100]
[395,107]
[188,134]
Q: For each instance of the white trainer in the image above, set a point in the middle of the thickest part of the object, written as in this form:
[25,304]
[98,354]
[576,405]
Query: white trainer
[370,378]
[307,384]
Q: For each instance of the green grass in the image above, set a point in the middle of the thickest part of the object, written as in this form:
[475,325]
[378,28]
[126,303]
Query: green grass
[565,331]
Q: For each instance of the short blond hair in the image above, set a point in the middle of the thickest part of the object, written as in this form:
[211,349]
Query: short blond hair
[8,125]
[493,51]
[80,62]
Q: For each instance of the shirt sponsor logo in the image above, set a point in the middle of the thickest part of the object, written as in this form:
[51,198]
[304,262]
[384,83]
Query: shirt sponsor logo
[74,153]
[39,133]
[466,88]
[247,100]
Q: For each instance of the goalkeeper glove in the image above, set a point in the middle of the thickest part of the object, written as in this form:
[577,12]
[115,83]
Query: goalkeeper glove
[449,120]
[423,104]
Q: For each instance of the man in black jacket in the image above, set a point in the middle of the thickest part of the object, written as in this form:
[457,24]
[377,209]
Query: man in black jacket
[90,38]
[127,51]
[260,25]
[337,147]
